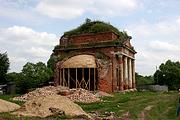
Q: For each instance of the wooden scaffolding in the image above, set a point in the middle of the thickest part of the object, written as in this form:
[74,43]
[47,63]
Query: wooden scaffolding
[85,78]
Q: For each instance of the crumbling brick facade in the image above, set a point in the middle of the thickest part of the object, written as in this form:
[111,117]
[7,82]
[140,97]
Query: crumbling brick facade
[114,68]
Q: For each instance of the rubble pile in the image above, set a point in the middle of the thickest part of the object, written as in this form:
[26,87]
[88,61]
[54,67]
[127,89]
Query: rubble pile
[103,94]
[82,95]
[50,100]
[75,95]
[106,116]
[44,91]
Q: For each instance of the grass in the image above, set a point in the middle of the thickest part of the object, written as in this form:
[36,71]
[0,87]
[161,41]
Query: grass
[163,106]
[9,98]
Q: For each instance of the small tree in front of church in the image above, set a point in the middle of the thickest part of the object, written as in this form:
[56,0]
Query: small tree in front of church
[168,74]
[4,67]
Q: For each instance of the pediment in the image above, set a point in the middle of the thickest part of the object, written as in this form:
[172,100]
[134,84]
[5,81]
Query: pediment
[128,43]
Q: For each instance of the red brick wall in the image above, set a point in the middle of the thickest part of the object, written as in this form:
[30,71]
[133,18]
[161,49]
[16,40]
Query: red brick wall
[86,38]
[109,82]
[105,85]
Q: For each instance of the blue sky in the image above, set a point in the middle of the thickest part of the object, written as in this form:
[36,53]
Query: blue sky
[29,29]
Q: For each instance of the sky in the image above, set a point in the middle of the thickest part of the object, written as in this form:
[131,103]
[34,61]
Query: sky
[29,29]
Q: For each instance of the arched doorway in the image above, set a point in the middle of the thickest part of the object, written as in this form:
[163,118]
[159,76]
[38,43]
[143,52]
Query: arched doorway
[79,71]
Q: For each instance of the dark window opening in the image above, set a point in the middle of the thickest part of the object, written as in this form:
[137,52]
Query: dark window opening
[85,78]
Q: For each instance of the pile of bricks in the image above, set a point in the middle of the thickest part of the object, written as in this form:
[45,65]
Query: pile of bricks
[103,94]
[105,116]
[76,95]
[44,91]
[82,95]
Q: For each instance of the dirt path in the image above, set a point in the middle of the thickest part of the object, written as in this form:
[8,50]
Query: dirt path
[143,113]
[125,116]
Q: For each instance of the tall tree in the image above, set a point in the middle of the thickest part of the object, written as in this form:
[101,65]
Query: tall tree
[34,75]
[16,78]
[51,62]
[168,74]
[4,67]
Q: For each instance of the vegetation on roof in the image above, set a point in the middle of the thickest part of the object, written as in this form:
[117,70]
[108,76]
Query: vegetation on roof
[95,27]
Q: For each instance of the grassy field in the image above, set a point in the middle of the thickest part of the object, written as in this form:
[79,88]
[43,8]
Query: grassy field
[134,106]
[137,105]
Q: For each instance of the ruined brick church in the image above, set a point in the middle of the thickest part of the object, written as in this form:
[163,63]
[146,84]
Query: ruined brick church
[95,56]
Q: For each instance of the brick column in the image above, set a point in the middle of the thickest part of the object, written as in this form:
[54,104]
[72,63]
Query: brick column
[56,77]
[133,74]
[114,82]
[121,74]
[130,73]
[126,72]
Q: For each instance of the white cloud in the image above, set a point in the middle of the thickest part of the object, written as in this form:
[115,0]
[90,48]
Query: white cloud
[26,45]
[62,8]
[113,8]
[20,10]
[155,43]
[160,45]
[22,35]
[178,20]
[67,9]
[39,52]
[16,63]
[143,30]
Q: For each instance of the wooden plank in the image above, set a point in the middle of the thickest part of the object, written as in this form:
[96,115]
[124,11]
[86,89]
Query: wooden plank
[94,79]
[89,78]
[60,77]
[76,77]
[63,77]
[68,78]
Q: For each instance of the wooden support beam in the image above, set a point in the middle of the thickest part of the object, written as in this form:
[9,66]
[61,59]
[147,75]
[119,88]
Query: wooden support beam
[89,79]
[60,77]
[63,76]
[68,78]
[94,79]
[83,80]
[76,78]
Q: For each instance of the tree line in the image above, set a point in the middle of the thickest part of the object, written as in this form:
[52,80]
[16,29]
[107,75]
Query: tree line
[32,75]
[35,75]
[167,74]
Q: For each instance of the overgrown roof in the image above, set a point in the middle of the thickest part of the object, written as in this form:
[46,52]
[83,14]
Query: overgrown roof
[95,27]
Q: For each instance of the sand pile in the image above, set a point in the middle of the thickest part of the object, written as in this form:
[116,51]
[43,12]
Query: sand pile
[50,105]
[81,95]
[44,91]
[6,106]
